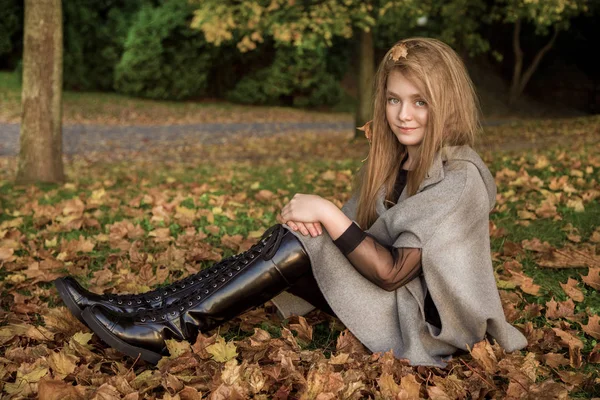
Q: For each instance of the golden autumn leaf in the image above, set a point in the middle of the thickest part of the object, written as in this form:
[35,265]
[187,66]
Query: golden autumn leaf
[26,382]
[222,351]
[62,364]
[305,331]
[399,51]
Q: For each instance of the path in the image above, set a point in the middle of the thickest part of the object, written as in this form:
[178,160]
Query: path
[79,139]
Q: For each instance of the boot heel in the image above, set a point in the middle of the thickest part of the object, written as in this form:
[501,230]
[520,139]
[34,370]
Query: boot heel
[113,341]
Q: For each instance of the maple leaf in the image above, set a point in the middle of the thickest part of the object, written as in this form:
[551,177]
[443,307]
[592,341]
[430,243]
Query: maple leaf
[28,376]
[563,309]
[177,348]
[483,353]
[264,195]
[6,255]
[222,351]
[592,278]
[555,360]
[593,327]
[50,389]
[62,364]
[367,128]
[572,291]
[305,331]
[399,51]
[233,242]
[569,257]
[536,245]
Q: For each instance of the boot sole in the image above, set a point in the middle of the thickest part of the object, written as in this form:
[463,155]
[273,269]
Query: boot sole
[107,337]
[68,299]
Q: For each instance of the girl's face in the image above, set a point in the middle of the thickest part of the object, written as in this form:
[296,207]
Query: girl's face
[405,110]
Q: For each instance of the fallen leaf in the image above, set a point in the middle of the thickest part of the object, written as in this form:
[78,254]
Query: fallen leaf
[592,278]
[305,331]
[593,327]
[264,195]
[555,360]
[222,351]
[572,291]
[563,309]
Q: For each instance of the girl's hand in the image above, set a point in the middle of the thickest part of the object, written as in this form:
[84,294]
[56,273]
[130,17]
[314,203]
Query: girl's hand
[303,211]
[312,228]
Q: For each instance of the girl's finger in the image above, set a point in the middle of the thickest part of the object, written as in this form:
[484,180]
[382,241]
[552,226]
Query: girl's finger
[292,225]
[312,229]
[302,228]
[319,228]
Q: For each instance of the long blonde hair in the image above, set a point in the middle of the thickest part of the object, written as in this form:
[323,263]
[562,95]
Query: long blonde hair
[453,118]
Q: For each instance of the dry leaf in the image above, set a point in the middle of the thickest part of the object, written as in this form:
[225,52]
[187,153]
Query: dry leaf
[398,51]
[572,291]
[593,327]
[592,278]
[221,351]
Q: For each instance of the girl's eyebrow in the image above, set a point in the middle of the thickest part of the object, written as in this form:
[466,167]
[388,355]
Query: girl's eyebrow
[414,96]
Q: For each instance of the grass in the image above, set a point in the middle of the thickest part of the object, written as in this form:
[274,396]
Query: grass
[117,109]
[229,193]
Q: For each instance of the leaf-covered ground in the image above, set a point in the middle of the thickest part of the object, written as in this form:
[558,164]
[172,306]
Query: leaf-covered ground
[129,222]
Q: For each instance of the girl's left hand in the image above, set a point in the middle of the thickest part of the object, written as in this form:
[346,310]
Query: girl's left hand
[305,208]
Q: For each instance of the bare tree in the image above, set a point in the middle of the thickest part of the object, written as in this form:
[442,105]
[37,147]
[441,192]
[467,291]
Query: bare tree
[40,158]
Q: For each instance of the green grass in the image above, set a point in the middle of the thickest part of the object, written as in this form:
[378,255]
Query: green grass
[119,109]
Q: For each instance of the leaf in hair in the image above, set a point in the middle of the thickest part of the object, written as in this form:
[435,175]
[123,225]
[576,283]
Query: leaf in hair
[398,51]
[366,128]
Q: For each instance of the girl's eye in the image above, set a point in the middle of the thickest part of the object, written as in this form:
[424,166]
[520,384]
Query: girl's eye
[420,103]
[392,100]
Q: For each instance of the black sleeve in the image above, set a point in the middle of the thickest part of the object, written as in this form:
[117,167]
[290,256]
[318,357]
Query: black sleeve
[387,267]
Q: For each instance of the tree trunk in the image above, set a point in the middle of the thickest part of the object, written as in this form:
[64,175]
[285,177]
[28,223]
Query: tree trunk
[366,70]
[40,157]
[520,79]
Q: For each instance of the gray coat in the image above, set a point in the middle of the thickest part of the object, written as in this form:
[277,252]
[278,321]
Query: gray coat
[448,219]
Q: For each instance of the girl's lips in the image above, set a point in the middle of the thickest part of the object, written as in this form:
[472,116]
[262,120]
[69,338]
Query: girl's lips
[406,129]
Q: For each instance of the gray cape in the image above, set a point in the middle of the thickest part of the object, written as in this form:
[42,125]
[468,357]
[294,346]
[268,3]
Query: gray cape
[448,219]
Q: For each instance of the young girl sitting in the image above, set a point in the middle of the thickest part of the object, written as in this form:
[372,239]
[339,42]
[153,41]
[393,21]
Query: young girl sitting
[405,264]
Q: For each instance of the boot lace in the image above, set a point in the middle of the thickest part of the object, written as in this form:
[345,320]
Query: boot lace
[164,292]
[266,248]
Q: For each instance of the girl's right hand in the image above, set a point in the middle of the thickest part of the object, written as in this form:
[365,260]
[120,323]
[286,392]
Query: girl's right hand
[313,228]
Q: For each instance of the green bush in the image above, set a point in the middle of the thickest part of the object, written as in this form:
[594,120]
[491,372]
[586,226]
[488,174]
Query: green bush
[94,35]
[11,32]
[295,77]
[163,57]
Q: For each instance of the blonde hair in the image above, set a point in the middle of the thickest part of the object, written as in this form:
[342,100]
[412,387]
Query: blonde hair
[453,118]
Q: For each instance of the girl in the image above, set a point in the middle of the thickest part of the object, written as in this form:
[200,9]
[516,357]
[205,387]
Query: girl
[405,264]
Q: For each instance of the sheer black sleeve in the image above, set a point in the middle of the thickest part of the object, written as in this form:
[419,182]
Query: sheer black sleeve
[387,267]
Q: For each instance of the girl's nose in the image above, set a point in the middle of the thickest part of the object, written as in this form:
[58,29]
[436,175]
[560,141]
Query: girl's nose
[405,114]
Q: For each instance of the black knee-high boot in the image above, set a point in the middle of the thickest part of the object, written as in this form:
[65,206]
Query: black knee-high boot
[256,276]
[77,298]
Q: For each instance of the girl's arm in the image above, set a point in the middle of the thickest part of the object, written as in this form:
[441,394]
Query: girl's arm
[387,267]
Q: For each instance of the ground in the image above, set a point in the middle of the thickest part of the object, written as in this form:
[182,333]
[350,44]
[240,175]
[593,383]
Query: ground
[128,220]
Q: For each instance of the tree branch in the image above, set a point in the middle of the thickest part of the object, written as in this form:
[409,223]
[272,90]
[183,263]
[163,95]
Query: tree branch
[536,61]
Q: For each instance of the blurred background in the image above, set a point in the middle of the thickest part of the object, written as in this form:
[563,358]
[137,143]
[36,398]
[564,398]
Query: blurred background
[314,54]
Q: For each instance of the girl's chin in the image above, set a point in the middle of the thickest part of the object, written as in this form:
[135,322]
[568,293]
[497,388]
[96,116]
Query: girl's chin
[407,140]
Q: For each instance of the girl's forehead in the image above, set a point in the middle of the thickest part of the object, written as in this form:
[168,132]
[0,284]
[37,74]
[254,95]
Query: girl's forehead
[399,83]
